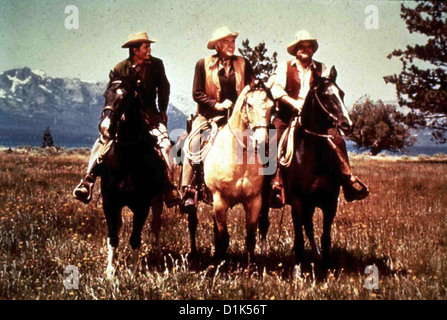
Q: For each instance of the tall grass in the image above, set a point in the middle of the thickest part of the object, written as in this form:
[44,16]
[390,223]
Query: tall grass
[400,228]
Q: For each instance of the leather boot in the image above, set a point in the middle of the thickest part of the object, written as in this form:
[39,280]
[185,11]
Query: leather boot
[277,195]
[349,181]
[351,191]
[189,201]
[83,191]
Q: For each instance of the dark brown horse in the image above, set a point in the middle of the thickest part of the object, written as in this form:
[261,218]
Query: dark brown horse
[130,170]
[312,180]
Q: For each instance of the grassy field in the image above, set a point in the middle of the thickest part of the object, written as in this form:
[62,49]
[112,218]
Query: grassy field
[401,228]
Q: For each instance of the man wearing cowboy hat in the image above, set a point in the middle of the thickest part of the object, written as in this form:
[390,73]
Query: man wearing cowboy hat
[218,81]
[290,85]
[152,84]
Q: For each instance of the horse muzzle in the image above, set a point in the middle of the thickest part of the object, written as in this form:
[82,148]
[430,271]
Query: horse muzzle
[345,126]
[259,138]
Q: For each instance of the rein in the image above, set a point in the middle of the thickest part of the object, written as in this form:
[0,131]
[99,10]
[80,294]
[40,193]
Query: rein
[334,121]
[285,159]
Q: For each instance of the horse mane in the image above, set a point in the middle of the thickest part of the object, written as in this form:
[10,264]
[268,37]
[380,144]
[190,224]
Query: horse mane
[256,85]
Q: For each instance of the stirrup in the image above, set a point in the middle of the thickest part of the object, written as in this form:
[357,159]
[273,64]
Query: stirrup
[83,191]
[172,197]
[277,200]
[189,201]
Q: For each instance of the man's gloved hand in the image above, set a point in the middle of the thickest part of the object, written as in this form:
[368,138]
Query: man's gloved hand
[223,105]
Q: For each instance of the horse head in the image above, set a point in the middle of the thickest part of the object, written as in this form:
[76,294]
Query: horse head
[326,100]
[119,96]
[257,105]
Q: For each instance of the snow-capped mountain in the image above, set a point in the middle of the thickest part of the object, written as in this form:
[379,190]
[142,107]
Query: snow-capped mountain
[30,101]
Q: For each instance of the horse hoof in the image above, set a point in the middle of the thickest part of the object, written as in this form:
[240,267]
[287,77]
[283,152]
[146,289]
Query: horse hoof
[110,273]
[263,247]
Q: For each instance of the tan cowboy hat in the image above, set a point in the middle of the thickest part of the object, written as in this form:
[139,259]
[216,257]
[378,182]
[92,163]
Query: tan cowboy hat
[219,34]
[301,36]
[134,38]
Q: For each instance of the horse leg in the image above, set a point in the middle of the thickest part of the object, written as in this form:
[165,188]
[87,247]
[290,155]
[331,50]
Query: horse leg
[308,214]
[251,221]
[329,212]
[139,218]
[112,212]
[221,236]
[157,209]
[264,222]
[192,226]
[297,216]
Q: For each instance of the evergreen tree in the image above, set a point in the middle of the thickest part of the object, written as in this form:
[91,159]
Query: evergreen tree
[263,66]
[47,139]
[422,87]
[378,126]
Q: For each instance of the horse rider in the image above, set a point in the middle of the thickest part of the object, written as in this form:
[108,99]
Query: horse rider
[290,86]
[218,81]
[152,83]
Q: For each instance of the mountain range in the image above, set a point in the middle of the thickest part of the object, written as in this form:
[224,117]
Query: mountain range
[31,101]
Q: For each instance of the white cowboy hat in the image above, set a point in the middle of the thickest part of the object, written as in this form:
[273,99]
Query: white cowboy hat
[219,34]
[301,36]
[134,38]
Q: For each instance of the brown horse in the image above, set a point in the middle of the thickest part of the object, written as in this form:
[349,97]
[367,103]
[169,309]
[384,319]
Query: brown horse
[130,170]
[311,180]
[233,171]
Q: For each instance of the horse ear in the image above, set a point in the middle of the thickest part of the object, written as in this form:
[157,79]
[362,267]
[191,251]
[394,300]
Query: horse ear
[111,75]
[333,74]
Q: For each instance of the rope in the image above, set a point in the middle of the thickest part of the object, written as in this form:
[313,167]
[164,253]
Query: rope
[285,159]
[200,155]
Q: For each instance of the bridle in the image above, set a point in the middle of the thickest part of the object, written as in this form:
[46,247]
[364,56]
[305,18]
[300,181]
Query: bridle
[114,111]
[247,121]
[331,116]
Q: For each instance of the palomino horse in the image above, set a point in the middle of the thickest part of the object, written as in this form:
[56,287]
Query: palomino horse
[311,180]
[229,177]
[130,170]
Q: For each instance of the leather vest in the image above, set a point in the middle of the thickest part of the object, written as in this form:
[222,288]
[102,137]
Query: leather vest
[212,83]
[293,86]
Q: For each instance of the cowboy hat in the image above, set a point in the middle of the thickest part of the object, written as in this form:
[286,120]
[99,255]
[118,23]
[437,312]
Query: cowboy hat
[134,38]
[301,36]
[219,34]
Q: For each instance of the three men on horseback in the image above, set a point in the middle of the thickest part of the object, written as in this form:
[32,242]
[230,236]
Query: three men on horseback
[289,86]
[218,81]
[151,83]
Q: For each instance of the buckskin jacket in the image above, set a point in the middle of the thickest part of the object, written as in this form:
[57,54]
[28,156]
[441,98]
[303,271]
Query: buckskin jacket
[153,82]
[211,85]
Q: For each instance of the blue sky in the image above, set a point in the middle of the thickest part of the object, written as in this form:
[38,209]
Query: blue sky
[33,34]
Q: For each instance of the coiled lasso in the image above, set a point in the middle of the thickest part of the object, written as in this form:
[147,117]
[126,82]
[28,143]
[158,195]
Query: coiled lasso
[200,155]
[285,159]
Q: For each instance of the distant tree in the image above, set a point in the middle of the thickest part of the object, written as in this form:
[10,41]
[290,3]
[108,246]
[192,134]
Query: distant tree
[423,87]
[263,66]
[47,139]
[378,126]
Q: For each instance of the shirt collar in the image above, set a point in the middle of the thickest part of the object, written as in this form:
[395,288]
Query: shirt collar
[296,63]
